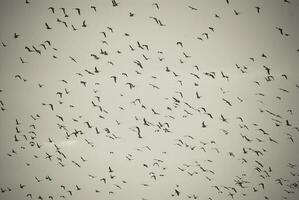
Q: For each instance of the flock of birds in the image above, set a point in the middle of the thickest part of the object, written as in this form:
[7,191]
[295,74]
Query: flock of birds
[113,100]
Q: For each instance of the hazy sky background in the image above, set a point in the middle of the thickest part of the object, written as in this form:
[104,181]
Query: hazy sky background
[173,155]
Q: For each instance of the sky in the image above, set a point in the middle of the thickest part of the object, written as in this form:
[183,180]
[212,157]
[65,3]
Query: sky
[211,87]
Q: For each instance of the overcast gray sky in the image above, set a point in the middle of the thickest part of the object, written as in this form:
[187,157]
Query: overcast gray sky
[212,88]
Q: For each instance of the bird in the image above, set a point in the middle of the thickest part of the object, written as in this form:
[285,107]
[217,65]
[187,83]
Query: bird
[177,192]
[73,59]
[47,26]
[217,16]
[138,132]
[114,3]
[84,25]
[206,34]
[78,10]
[223,119]
[267,69]
[103,179]
[110,29]
[3,44]
[84,160]
[131,85]
[192,8]
[226,101]
[78,188]
[156,5]
[257,9]
[22,60]
[236,12]
[52,9]
[94,8]
[77,164]
[16,35]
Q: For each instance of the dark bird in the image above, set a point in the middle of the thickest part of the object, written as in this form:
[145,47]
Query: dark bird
[73,59]
[70,192]
[51,106]
[192,8]
[180,43]
[280,30]
[212,29]
[285,76]
[206,34]
[84,160]
[49,156]
[223,119]
[155,4]
[83,83]
[95,56]
[110,29]
[22,61]
[96,70]
[224,76]
[3,44]
[44,46]
[236,12]
[36,50]
[84,24]
[88,124]
[47,26]
[186,56]
[154,86]
[226,101]
[104,33]
[138,132]
[78,11]
[60,117]
[52,9]
[114,3]
[103,179]
[110,170]
[76,164]
[94,8]
[267,69]
[177,192]
[78,188]
[48,42]
[209,114]
[18,76]
[257,9]
[139,45]
[197,95]
[16,35]
[114,78]
[130,85]
[64,12]
[156,19]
